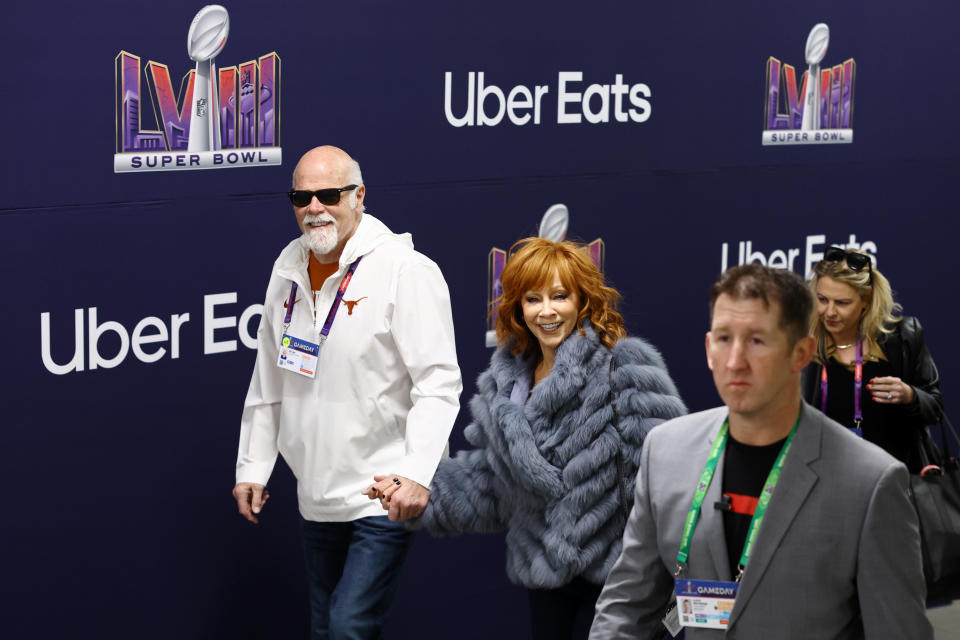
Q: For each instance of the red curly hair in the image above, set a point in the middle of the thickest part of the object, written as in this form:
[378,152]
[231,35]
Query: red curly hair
[531,265]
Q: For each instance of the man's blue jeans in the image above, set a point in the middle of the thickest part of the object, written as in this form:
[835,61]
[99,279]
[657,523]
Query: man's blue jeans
[353,569]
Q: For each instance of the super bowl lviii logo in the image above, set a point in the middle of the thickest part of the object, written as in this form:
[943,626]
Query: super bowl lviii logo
[553,226]
[817,111]
[219,118]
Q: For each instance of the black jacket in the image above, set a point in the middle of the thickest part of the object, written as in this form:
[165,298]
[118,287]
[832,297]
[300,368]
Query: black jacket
[906,351]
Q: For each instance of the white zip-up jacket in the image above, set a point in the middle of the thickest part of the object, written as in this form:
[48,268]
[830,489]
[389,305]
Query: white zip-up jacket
[387,387]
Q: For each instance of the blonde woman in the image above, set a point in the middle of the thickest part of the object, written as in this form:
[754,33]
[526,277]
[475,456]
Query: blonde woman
[857,323]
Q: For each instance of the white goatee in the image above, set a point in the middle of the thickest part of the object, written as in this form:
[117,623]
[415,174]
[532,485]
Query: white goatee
[321,240]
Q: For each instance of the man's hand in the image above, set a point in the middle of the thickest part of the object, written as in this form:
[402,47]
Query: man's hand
[250,499]
[400,497]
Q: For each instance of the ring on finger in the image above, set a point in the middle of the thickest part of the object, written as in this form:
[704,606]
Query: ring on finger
[889,396]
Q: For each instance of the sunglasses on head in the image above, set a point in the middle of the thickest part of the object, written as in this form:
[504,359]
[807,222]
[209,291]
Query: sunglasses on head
[301,197]
[856,261]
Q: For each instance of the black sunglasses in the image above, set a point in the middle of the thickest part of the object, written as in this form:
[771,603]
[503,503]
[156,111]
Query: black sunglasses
[856,261]
[301,198]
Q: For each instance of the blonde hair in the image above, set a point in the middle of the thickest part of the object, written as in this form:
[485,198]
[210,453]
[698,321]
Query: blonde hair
[531,265]
[881,310]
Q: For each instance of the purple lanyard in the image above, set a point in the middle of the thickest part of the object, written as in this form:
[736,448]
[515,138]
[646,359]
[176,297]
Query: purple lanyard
[325,331]
[290,302]
[289,315]
[857,388]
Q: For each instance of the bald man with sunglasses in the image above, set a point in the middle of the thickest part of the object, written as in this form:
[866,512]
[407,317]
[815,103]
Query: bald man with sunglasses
[356,380]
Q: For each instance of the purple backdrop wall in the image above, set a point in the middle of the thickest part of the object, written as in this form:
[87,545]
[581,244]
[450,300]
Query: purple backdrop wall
[118,517]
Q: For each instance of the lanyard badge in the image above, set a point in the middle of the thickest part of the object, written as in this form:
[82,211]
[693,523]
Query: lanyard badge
[299,355]
[709,603]
[705,603]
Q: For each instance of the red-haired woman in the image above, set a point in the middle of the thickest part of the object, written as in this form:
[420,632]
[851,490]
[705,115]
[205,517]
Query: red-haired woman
[558,422]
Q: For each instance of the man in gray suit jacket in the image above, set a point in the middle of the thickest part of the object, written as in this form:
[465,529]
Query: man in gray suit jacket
[836,552]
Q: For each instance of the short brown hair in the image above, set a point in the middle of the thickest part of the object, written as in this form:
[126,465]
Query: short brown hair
[531,265]
[758,282]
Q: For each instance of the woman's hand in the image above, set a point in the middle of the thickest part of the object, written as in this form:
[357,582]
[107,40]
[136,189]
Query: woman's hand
[400,497]
[890,390]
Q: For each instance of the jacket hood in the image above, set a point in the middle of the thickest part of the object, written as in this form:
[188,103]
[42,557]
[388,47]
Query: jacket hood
[370,234]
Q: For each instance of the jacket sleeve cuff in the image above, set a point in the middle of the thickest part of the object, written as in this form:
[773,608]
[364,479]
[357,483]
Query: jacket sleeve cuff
[419,468]
[255,472]
[913,407]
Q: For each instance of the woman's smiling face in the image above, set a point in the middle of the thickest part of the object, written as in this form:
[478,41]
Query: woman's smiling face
[550,313]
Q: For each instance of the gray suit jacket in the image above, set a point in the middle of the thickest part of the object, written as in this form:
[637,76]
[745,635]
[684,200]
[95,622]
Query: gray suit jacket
[837,556]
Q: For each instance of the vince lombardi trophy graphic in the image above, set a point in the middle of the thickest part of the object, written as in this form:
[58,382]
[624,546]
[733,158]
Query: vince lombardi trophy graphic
[553,225]
[817,43]
[206,38]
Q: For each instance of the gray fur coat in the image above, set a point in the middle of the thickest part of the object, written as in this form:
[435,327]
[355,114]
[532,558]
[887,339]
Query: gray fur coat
[547,472]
